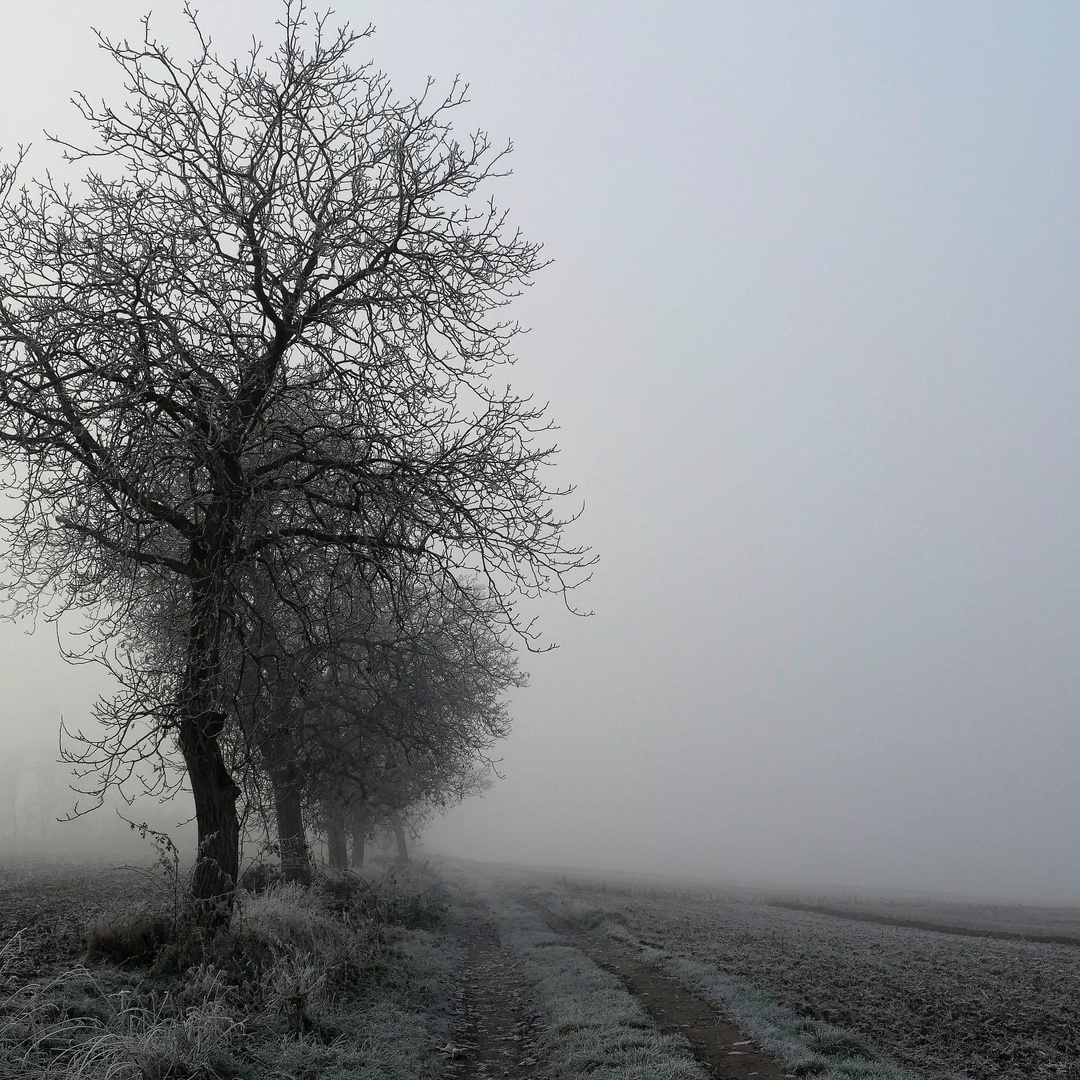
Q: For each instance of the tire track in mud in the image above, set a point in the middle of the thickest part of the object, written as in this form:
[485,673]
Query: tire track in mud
[716,1042]
[495,1017]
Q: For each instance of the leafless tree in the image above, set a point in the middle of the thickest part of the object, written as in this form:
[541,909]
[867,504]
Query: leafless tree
[397,715]
[263,320]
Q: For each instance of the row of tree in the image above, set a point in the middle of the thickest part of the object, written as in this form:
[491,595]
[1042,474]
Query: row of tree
[386,719]
[251,428]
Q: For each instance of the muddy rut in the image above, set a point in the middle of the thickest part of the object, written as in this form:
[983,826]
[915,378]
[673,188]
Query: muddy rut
[495,1036]
[716,1042]
[495,1018]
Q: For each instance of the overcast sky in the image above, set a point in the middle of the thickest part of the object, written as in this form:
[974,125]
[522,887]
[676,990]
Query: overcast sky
[811,335]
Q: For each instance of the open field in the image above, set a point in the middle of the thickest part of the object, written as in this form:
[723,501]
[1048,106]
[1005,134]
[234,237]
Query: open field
[520,974]
[49,903]
[944,1004]
[1018,922]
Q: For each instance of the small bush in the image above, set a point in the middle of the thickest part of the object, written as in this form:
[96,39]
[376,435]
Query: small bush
[413,911]
[125,1033]
[294,984]
[835,1042]
[129,940]
[407,897]
[259,877]
[292,915]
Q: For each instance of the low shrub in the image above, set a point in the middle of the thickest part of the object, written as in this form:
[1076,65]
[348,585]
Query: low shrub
[836,1042]
[407,896]
[125,940]
[293,935]
[259,877]
[75,1026]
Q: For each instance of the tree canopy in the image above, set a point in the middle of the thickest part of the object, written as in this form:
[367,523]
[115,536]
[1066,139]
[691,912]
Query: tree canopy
[263,322]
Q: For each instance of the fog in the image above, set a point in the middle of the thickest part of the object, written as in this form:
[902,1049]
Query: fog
[811,336]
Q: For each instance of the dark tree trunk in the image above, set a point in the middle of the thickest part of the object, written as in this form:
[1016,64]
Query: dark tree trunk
[213,883]
[358,821]
[292,839]
[270,712]
[337,851]
[214,880]
[399,836]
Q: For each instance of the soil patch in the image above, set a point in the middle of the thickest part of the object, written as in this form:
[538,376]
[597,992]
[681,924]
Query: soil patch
[495,1018]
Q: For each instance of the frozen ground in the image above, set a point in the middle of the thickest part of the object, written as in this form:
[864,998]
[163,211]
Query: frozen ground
[1052,925]
[947,1005]
[516,980]
[49,903]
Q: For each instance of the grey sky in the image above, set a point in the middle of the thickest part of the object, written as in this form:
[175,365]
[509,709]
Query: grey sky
[811,336]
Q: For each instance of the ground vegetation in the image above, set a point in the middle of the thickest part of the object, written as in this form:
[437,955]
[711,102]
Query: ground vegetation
[332,980]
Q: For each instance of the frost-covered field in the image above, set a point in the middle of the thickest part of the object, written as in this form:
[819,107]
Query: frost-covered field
[1056,925]
[945,1004]
[591,1026]
[49,902]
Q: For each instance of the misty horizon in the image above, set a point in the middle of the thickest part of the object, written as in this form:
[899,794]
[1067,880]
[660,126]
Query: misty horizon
[810,336]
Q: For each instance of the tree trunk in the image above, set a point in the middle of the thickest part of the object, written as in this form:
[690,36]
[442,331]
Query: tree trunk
[214,879]
[358,821]
[337,852]
[399,836]
[269,709]
[292,839]
[213,882]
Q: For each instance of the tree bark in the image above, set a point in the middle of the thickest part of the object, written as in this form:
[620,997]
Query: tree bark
[399,836]
[213,883]
[292,839]
[337,852]
[269,712]
[214,879]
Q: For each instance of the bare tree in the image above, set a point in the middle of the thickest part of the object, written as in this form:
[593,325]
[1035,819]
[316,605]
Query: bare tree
[397,713]
[264,320]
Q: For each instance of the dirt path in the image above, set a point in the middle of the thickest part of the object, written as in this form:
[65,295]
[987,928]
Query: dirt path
[717,1043]
[493,1037]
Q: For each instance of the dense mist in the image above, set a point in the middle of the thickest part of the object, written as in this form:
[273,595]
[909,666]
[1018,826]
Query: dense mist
[810,335]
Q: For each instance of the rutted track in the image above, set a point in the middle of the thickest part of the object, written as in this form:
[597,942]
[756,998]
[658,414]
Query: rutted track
[494,1017]
[717,1043]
